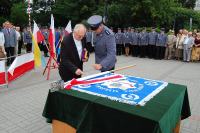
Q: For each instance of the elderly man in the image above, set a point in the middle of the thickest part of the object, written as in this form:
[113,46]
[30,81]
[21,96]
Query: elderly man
[71,56]
[187,47]
[105,46]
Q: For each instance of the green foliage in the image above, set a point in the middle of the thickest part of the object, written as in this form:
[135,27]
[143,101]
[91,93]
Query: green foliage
[5,6]
[187,3]
[2,20]
[121,13]
[183,17]
[65,10]
[18,15]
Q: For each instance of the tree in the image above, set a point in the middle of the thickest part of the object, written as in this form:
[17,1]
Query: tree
[188,3]
[65,10]
[19,15]
[5,6]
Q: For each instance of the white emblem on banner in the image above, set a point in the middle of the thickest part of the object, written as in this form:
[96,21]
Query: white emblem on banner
[151,83]
[121,84]
[130,96]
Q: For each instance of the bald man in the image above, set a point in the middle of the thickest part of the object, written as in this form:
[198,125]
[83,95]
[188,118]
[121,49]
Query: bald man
[71,59]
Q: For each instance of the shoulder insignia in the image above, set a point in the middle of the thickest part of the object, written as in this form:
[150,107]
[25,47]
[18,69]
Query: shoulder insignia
[107,32]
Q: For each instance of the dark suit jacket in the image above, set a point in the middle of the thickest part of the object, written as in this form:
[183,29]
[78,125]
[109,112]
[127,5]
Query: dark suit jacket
[69,58]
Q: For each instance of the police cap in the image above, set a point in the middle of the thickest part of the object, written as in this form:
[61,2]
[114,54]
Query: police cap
[95,21]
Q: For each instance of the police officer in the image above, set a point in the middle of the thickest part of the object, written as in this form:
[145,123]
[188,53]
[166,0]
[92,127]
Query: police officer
[28,40]
[119,41]
[45,33]
[161,44]
[152,43]
[127,40]
[105,45]
[143,43]
[134,42]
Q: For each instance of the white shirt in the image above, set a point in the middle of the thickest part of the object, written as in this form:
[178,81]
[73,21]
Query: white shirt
[78,46]
[18,35]
[186,40]
[2,39]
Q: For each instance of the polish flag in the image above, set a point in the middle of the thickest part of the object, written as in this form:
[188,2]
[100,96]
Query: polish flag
[2,73]
[68,28]
[20,66]
[37,33]
[52,38]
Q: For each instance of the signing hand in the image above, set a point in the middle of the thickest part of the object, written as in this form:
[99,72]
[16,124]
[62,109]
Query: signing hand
[97,66]
[79,72]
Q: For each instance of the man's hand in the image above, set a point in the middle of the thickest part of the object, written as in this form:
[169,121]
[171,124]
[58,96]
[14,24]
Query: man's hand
[79,72]
[97,66]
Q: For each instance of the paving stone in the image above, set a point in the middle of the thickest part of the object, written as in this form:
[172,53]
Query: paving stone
[22,103]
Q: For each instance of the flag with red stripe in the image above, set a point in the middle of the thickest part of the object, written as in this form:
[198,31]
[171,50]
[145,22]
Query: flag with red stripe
[68,28]
[52,38]
[2,72]
[20,66]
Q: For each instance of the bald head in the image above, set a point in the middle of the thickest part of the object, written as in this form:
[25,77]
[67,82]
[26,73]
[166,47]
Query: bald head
[79,31]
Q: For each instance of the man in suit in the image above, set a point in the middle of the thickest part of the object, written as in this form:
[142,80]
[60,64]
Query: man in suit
[72,48]
[105,45]
[10,41]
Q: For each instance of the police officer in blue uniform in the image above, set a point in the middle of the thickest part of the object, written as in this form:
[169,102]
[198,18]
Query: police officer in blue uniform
[119,41]
[161,44]
[152,43]
[134,42]
[105,45]
[127,40]
[143,43]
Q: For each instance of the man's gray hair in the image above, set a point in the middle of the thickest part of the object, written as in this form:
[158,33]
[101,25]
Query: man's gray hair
[79,27]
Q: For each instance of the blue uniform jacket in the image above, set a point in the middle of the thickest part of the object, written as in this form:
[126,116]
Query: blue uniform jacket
[105,49]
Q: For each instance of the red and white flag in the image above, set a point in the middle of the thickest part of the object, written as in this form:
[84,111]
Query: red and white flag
[52,38]
[2,73]
[20,65]
[68,28]
[37,33]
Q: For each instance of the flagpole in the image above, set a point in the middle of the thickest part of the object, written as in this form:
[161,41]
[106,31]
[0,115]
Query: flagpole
[122,68]
[103,73]
[29,13]
[98,74]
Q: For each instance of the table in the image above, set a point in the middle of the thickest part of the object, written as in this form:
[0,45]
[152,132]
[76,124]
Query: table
[92,114]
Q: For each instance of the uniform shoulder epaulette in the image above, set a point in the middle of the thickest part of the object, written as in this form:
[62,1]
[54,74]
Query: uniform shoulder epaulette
[107,32]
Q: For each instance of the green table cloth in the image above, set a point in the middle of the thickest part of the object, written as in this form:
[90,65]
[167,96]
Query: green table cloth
[92,114]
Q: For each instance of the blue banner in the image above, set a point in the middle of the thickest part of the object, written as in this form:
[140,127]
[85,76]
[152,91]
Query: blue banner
[126,89]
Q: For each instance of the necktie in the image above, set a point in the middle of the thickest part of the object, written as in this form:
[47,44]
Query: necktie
[8,31]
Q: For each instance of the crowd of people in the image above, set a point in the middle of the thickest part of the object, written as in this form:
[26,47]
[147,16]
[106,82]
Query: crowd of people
[129,41]
[13,39]
[184,46]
